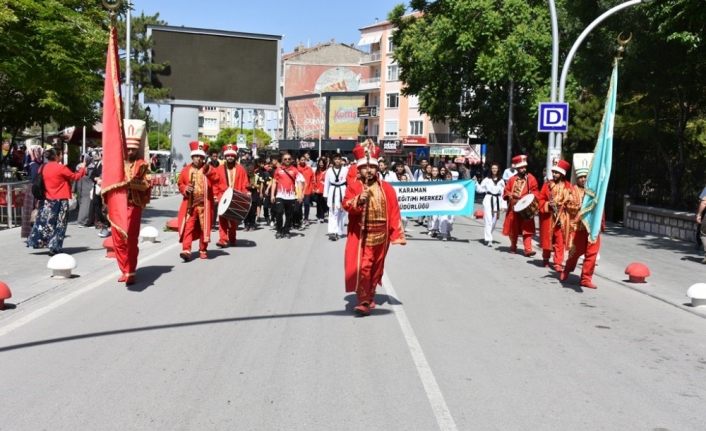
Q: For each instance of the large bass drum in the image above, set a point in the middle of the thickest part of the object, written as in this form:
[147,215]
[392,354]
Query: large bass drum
[527,207]
[234,205]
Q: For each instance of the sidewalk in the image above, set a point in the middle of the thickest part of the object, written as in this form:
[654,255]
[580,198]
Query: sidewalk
[674,265]
[25,269]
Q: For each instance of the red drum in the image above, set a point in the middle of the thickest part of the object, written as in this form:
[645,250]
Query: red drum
[234,205]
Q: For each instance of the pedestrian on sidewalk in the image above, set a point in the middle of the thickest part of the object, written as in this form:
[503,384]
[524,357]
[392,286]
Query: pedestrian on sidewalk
[196,184]
[374,224]
[701,221]
[138,196]
[493,186]
[518,186]
[30,204]
[49,229]
[84,187]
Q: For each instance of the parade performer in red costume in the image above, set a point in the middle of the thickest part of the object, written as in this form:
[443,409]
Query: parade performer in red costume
[196,184]
[233,175]
[137,173]
[517,187]
[554,221]
[579,243]
[374,223]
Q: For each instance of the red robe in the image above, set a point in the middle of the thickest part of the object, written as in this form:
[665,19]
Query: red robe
[578,244]
[514,224]
[222,184]
[554,235]
[356,236]
[209,180]
[352,175]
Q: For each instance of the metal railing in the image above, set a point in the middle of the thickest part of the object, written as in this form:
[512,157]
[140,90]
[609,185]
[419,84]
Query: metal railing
[369,84]
[374,57]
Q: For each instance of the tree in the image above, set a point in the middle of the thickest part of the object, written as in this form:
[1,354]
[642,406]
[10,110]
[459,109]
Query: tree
[662,88]
[164,142]
[230,136]
[459,57]
[141,67]
[52,53]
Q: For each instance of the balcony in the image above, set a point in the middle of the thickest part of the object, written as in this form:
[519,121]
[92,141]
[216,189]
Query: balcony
[370,84]
[372,58]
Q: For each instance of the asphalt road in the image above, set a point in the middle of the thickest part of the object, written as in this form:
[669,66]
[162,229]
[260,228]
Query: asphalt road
[262,337]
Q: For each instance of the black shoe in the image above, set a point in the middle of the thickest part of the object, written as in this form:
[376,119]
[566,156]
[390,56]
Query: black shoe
[287,235]
[278,235]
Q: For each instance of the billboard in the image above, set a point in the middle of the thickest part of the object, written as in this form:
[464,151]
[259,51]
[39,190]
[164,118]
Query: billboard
[343,117]
[300,79]
[217,68]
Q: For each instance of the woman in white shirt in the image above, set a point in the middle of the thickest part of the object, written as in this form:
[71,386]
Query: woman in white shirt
[493,186]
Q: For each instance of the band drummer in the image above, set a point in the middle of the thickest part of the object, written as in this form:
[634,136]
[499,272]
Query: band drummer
[517,187]
[230,175]
[196,184]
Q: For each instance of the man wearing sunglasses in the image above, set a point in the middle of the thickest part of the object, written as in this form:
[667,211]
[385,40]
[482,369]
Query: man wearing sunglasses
[285,190]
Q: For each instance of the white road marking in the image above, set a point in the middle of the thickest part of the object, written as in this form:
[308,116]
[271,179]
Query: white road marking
[73,295]
[436,398]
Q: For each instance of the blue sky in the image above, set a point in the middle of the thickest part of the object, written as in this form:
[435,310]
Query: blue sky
[299,21]
[305,21]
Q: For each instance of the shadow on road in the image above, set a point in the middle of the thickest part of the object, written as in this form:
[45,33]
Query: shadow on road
[147,276]
[343,313]
[65,250]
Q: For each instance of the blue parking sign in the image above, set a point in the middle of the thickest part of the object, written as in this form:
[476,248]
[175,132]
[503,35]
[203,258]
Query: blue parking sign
[553,117]
[422,153]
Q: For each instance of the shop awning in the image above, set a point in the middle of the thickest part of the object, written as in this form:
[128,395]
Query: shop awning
[369,40]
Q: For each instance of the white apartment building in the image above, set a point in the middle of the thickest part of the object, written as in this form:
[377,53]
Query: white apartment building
[213,119]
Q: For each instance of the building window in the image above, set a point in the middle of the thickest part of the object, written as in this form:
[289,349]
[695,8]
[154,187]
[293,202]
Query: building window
[392,100]
[416,128]
[392,73]
[376,101]
[376,73]
[376,129]
[209,108]
[413,101]
[390,45]
[210,123]
[391,128]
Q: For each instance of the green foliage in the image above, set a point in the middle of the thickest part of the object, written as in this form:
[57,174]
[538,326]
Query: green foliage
[52,53]
[461,55]
[164,142]
[230,136]
[141,67]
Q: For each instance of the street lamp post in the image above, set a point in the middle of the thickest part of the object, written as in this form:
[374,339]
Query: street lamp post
[159,119]
[575,47]
[148,113]
[321,116]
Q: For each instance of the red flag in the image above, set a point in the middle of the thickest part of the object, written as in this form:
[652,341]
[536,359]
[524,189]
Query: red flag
[114,181]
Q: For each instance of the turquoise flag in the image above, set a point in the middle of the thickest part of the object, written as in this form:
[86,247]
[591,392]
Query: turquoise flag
[599,172]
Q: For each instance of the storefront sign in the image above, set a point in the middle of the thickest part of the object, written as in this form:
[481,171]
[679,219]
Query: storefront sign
[368,112]
[392,146]
[306,145]
[436,198]
[414,141]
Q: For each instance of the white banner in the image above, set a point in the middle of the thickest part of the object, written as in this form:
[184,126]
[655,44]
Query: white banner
[427,198]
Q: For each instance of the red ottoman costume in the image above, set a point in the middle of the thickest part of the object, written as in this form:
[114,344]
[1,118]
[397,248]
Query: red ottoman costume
[137,174]
[515,189]
[236,178]
[195,213]
[372,227]
[554,227]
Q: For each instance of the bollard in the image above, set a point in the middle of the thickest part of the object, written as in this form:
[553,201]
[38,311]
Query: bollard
[4,294]
[149,234]
[697,293]
[61,265]
[478,214]
[638,272]
[109,247]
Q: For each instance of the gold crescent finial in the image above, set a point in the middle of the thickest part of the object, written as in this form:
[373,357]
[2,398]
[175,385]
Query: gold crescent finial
[622,42]
[112,6]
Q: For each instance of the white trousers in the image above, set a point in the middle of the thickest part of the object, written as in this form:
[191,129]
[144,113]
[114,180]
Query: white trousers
[336,221]
[443,224]
[489,219]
